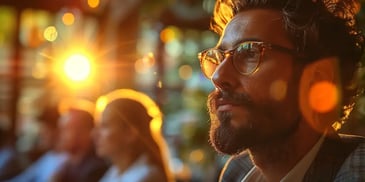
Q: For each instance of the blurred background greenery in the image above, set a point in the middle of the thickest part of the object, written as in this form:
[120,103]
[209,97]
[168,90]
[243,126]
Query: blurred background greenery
[148,45]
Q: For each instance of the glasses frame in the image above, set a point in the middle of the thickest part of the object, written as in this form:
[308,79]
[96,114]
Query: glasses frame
[225,53]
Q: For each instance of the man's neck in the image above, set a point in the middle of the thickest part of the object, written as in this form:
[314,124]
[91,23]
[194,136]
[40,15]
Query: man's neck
[277,158]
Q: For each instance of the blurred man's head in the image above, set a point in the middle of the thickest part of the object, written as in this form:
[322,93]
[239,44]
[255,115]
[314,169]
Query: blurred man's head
[75,130]
[48,131]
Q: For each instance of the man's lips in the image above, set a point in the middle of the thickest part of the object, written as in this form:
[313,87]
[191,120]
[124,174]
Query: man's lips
[224,105]
[226,101]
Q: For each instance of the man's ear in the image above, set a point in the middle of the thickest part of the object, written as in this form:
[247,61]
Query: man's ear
[319,92]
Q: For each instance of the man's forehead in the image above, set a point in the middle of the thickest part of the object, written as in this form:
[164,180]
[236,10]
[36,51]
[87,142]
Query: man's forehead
[252,25]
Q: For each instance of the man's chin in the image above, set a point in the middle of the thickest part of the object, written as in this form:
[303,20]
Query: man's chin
[228,140]
[228,150]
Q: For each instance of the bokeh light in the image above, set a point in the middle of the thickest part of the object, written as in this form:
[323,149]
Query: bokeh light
[185,72]
[77,67]
[196,155]
[323,96]
[93,3]
[50,33]
[144,64]
[174,49]
[68,19]
[168,34]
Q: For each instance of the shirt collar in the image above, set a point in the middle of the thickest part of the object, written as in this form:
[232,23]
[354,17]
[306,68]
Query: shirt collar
[296,173]
[302,166]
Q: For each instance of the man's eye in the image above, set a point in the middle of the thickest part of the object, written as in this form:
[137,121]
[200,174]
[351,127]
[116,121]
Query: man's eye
[246,53]
[250,53]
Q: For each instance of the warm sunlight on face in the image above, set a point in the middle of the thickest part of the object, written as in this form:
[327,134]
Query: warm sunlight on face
[323,97]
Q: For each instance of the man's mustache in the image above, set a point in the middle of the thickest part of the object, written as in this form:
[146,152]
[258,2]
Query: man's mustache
[240,99]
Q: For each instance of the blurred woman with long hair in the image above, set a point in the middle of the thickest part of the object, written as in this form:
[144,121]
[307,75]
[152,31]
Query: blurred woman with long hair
[128,134]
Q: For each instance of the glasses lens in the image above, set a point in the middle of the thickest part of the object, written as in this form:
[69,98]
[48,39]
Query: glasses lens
[246,57]
[209,61]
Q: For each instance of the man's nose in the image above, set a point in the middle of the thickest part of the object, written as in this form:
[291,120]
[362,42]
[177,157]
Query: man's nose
[223,76]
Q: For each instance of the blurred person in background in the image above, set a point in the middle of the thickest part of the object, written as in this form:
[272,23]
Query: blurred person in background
[284,74]
[128,134]
[11,162]
[51,158]
[82,164]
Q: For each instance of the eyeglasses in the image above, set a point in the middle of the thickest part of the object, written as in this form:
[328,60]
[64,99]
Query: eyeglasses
[246,57]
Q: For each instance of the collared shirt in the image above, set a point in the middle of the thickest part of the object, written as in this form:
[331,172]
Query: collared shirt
[296,173]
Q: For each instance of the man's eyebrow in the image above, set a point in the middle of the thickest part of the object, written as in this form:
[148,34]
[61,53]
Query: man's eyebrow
[237,42]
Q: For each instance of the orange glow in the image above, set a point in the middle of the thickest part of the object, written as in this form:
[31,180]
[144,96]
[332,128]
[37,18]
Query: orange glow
[323,96]
[100,106]
[68,19]
[93,3]
[75,66]
[151,107]
[168,34]
[76,103]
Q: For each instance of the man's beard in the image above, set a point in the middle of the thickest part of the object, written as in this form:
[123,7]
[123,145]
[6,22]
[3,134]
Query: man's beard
[224,137]
[227,139]
[231,140]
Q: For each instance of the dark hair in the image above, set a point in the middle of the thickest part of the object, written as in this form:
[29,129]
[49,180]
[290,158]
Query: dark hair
[49,116]
[83,116]
[317,28]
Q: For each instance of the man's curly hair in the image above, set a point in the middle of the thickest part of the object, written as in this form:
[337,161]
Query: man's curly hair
[317,28]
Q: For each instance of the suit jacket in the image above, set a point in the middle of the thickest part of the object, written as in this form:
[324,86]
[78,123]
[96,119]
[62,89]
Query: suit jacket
[341,158]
